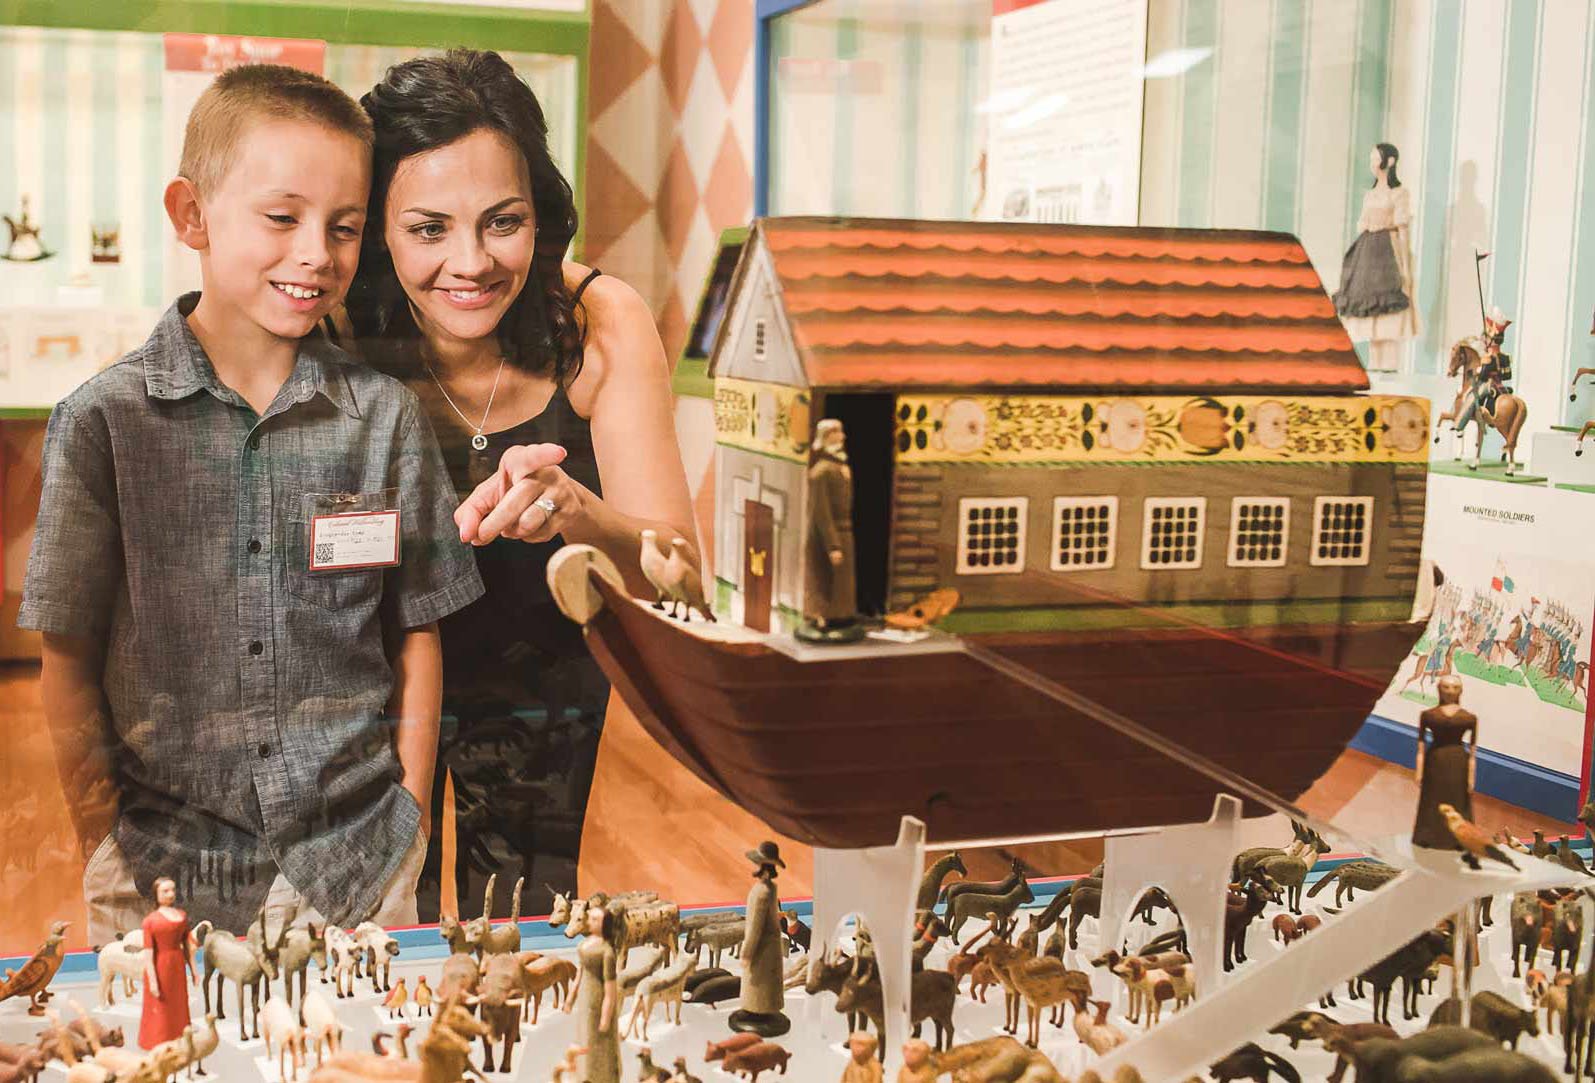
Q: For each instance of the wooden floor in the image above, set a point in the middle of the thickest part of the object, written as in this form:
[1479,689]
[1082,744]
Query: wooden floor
[650,823]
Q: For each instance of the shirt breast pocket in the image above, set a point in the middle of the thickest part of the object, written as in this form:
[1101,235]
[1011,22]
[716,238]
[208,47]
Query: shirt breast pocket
[338,546]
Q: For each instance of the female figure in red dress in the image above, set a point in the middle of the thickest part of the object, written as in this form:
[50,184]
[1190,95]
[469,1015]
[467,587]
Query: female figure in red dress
[168,954]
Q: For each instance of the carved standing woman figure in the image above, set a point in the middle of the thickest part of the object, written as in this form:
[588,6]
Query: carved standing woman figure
[1445,768]
[1375,299]
[597,1000]
[168,954]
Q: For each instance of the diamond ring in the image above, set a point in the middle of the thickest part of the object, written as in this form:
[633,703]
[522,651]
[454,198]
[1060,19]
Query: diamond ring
[546,504]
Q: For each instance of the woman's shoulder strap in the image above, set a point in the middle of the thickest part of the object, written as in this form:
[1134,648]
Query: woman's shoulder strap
[576,294]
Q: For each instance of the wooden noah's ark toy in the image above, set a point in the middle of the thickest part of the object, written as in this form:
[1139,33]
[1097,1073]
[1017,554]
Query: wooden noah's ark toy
[1145,459]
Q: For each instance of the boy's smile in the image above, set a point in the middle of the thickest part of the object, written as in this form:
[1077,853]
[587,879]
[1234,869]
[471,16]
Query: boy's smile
[283,227]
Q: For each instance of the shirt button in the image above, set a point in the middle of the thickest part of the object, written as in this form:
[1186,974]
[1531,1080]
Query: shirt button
[256,647]
[254,443]
[254,545]
[264,750]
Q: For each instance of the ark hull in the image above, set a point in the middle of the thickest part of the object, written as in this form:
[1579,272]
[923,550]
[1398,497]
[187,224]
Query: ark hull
[835,752]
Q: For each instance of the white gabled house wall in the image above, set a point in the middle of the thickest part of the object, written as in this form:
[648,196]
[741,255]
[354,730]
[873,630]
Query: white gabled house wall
[755,298]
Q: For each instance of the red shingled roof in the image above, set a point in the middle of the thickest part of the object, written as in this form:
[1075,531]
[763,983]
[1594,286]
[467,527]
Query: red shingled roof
[910,303]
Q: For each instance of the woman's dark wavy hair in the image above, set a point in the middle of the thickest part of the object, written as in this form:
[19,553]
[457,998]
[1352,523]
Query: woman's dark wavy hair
[427,103]
[1388,157]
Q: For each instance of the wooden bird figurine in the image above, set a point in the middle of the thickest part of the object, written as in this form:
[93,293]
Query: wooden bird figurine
[396,999]
[686,585]
[422,996]
[647,1070]
[400,1047]
[1474,842]
[682,1075]
[927,610]
[34,976]
[653,568]
[1541,848]
[1507,839]
[569,1066]
[1569,859]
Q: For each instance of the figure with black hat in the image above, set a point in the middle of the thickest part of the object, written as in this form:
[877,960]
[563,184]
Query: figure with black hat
[762,984]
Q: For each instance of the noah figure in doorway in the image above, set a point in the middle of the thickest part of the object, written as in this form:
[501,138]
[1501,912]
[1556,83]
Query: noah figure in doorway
[831,599]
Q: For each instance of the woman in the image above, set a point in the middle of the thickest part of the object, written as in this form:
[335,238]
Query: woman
[598,998]
[1375,299]
[1445,768]
[168,958]
[547,385]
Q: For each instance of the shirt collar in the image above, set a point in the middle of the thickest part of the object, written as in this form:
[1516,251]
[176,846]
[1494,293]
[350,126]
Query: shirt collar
[176,365]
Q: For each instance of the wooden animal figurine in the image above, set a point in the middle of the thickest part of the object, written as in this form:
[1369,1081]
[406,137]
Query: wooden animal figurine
[1286,929]
[1251,1061]
[1475,843]
[927,610]
[20,1063]
[1489,1013]
[718,1051]
[322,1028]
[798,935]
[247,964]
[931,995]
[501,996]
[756,1059]
[122,959]
[1239,910]
[280,1028]
[452,932]
[32,978]
[681,1075]
[683,583]
[763,993]
[380,949]
[970,905]
[1149,987]
[1015,875]
[654,565]
[647,1070]
[862,1065]
[930,885]
[1005,1058]
[503,939]
[396,1000]
[300,947]
[917,1066]
[423,997]
[547,973]
[1354,876]
[445,1055]
[662,987]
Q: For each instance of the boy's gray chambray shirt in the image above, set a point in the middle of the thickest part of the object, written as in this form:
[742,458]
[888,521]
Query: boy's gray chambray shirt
[247,693]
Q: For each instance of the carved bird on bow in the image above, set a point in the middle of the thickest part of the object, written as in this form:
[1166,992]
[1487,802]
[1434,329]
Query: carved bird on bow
[1474,842]
[33,977]
[684,582]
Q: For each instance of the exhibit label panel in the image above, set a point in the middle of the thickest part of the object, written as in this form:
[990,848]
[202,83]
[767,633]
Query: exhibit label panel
[1511,620]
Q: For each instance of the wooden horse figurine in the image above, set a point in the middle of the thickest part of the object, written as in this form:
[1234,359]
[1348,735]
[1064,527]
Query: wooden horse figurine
[1480,402]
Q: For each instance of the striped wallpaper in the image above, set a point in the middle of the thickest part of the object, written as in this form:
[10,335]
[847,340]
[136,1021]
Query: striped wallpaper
[1489,101]
[81,135]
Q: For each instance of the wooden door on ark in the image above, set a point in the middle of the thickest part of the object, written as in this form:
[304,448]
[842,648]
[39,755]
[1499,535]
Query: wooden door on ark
[758,564]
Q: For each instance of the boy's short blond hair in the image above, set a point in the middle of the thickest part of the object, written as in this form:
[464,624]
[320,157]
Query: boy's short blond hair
[255,92]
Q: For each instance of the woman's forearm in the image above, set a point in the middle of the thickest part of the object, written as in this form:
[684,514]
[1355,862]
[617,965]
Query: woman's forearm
[618,536]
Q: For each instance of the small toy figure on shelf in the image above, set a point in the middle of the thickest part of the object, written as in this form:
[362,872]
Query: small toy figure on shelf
[567,1070]
[1471,840]
[917,1066]
[597,996]
[33,977]
[862,1066]
[168,955]
[106,245]
[26,245]
[1445,765]
[830,594]
[422,997]
[763,995]
[1374,300]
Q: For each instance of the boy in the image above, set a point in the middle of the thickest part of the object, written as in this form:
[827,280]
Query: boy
[243,692]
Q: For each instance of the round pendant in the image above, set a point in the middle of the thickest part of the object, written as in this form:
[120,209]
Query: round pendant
[479,442]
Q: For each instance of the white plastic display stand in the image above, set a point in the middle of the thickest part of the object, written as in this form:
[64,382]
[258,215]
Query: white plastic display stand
[1191,863]
[1433,885]
[879,885]
[1553,455]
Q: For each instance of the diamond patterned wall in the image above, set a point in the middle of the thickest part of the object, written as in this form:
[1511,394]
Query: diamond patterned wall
[671,139]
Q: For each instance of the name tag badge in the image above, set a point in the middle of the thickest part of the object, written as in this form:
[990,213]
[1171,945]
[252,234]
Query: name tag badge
[356,539]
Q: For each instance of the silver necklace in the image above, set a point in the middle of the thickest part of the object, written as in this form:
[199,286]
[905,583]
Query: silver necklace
[478,441]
